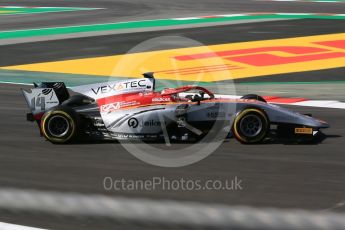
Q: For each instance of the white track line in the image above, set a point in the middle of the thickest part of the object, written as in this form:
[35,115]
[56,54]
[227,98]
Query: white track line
[14,83]
[7,226]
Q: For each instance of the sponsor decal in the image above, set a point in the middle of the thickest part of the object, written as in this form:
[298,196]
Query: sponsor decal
[266,56]
[161,99]
[119,86]
[215,114]
[107,108]
[303,131]
[135,136]
[152,123]
[47,91]
[110,107]
[263,57]
[133,122]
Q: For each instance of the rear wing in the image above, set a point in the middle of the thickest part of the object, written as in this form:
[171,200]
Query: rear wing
[49,94]
[45,96]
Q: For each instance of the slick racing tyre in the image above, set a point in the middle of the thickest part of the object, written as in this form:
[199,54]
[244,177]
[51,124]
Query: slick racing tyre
[250,126]
[254,97]
[59,125]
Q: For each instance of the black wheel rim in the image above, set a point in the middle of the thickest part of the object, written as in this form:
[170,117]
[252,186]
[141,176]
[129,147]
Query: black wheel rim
[251,125]
[58,126]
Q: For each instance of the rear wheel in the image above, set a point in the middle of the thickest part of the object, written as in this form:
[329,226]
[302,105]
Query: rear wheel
[59,125]
[250,126]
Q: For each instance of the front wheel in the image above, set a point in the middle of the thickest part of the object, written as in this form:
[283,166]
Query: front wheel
[59,125]
[251,126]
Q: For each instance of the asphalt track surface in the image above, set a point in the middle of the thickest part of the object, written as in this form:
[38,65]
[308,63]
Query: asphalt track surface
[273,175]
[308,176]
[122,10]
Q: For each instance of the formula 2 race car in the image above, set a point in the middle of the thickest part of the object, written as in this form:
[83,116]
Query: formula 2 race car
[134,110]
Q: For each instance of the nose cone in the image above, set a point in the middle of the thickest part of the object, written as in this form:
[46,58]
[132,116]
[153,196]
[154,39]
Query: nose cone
[318,123]
[324,124]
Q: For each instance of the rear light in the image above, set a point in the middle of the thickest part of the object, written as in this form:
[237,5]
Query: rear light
[30,117]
